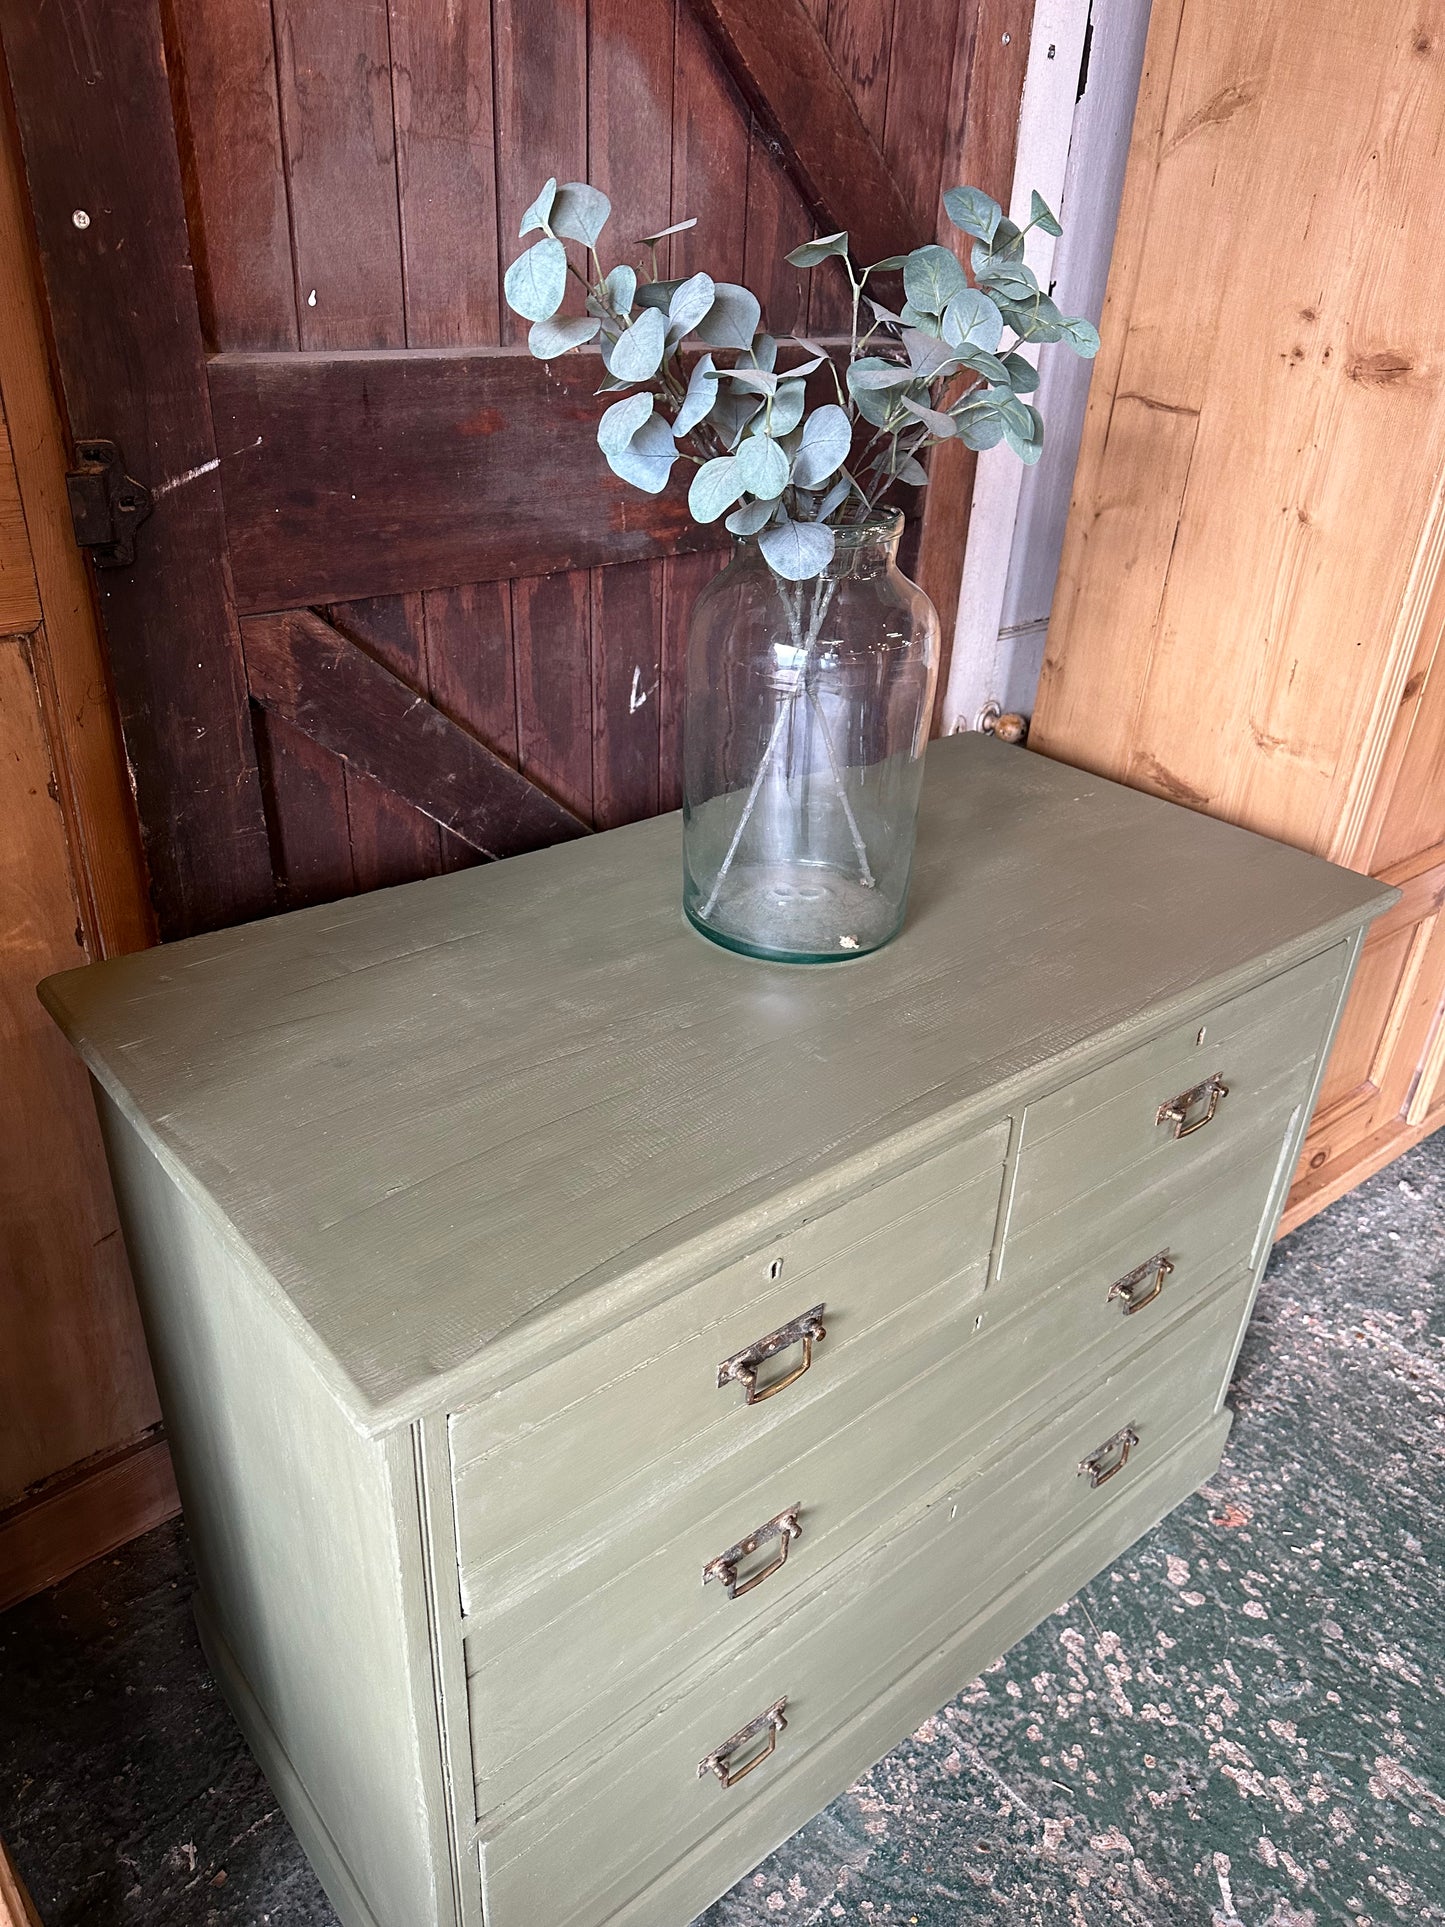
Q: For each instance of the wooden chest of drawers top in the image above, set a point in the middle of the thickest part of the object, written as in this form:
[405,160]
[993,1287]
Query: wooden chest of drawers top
[459,1124]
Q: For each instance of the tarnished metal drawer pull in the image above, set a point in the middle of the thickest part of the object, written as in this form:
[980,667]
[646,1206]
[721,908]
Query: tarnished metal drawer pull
[785,1529]
[1111,1457]
[720,1761]
[1127,1289]
[1176,1111]
[742,1367]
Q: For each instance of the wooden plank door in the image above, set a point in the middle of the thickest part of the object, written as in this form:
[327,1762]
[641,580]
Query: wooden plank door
[390,614]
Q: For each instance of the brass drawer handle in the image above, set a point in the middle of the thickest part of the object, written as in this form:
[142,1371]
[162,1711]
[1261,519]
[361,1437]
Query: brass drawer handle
[1126,1289]
[720,1760]
[742,1367]
[1176,1111]
[785,1529]
[1111,1457]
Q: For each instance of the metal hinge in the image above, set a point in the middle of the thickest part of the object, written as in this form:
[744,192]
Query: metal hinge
[106,505]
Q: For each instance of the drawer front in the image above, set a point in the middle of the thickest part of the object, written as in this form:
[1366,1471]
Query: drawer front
[568,1647]
[1246,1062]
[593,1843]
[559,1457]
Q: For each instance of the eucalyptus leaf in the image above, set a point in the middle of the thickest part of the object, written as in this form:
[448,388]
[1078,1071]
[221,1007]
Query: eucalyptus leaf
[715,487]
[975,212]
[689,304]
[823,447]
[797,550]
[541,208]
[928,356]
[1013,280]
[637,355]
[813,348]
[989,366]
[931,278]
[812,252]
[1007,245]
[647,459]
[1023,377]
[1041,216]
[751,517]
[908,470]
[880,313]
[657,294]
[880,376]
[678,227]
[890,264]
[580,212]
[621,422]
[912,317]
[731,414]
[979,428]
[1036,320]
[732,320]
[1013,413]
[1028,446]
[834,499]
[537,280]
[764,352]
[763,466]
[937,423]
[757,381]
[621,288]
[803,369]
[548,339]
[788,408]
[971,320]
[697,403]
[874,404]
[1082,336]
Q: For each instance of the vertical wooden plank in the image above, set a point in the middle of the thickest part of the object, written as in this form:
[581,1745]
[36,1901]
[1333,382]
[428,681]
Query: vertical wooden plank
[442,87]
[626,690]
[94,110]
[710,143]
[540,103]
[228,123]
[551,623]
[861,35]
[469,665]
[914,128]
[629,113]
[777,221]
[306,808]
[684,577]
[337,131]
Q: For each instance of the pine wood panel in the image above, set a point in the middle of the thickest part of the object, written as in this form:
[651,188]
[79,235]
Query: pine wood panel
[1251,599]
[19,592]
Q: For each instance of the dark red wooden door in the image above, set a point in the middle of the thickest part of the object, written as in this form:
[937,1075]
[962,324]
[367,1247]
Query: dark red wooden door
[378,625]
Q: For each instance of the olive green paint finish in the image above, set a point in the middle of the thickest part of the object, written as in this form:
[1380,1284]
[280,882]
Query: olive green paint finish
[460,1122]
[446,1204]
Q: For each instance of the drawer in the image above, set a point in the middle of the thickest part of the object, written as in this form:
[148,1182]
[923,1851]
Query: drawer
[566,1647]
[1260,1046]
[1206,1220]
[556,1458]
[590,1845]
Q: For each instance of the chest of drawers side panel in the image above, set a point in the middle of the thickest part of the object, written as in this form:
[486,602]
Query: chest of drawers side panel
[309,1550]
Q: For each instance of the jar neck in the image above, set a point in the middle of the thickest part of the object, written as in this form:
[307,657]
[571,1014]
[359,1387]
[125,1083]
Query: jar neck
[860,549]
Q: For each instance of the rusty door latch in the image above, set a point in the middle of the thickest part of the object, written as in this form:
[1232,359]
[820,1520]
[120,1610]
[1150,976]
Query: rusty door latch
[106,505]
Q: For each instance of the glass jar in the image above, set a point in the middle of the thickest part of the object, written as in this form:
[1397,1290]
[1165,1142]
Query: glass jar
[807,714]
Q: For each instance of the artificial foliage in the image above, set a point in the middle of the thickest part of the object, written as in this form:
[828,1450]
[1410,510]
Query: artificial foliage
[695,378]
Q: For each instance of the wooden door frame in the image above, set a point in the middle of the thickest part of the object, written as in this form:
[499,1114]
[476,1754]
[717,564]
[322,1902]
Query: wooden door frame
[95,114]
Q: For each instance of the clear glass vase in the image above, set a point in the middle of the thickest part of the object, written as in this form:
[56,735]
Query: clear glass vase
[807,715]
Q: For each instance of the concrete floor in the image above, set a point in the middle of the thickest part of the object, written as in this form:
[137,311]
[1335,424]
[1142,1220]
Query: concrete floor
[1241,1724]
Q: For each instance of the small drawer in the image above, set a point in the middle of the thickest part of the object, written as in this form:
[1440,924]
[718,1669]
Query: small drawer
[592,1844]
[553,1460]
[1206,1223]
[1172,1103]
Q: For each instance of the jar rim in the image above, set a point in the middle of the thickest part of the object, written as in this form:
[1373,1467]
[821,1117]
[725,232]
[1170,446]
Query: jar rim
[879,525]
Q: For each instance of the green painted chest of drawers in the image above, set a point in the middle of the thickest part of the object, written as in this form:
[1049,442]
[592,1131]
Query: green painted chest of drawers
[619,1389]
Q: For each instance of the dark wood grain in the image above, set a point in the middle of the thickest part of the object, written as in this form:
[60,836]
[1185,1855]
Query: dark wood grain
[353,475]
[540,56]
[988,79]
[710,138]
[446,168]
[306,810]
[94,111]
[684,578]
[311,676]
[223,82]
[781,63]
[552,643]
[334,72]
[626,689]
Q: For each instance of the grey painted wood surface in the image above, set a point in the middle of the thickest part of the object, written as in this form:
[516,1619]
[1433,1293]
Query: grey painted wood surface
[445,1205]
[492,1108]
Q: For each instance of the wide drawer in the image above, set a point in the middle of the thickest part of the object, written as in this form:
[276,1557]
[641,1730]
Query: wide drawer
[560,1456]
[640,1802]
[1226,1072]
[568,1645]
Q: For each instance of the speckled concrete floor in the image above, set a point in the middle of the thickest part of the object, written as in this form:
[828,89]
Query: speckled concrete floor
[1241,1724]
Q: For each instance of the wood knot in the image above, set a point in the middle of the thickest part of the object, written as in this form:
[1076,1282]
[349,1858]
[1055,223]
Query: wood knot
[1380,369]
